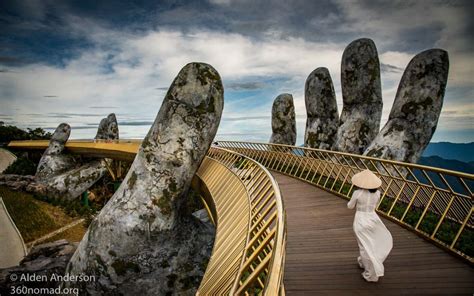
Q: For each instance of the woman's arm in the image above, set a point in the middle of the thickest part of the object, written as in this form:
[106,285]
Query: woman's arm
[351,204]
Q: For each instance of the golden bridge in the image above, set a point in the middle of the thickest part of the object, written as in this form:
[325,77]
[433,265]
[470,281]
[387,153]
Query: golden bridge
[282,225]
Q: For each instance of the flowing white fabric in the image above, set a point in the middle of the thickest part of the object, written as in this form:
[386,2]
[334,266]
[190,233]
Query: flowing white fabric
[374,240]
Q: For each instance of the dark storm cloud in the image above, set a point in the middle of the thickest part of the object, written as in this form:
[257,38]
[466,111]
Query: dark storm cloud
[12,61]
[408,25]
[46,30]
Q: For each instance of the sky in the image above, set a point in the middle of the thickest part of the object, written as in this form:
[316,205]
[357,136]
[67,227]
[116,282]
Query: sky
[75,61]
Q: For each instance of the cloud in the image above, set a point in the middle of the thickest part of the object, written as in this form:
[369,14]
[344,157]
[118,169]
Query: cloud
[220,2]
[76,114]
[257,58]
[12,61]
[390,68]
[103,107]
[243,86]
[245,118]
[135,123]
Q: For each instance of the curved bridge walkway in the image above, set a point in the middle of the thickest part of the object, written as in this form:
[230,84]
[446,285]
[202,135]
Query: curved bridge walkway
[321,252]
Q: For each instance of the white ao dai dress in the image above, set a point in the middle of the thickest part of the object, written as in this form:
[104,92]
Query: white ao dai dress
[374,240]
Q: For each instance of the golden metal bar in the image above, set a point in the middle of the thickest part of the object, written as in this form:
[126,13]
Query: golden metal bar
[396,199]
[465,186]
[254,274]
[384,193]
[426,209]
[259,249]
[443,216]
[410,203]
[468,216]
[446,182]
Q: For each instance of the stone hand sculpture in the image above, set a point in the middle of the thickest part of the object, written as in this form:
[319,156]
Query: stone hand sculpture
[321,109]
[413,118]
[145,241]
[61,175]
[415,111]
[361,95]
[58,174]
[108,128]
[283,121]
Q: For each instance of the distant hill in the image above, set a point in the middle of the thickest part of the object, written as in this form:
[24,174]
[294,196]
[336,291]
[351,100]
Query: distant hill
[448,164]
[458,151]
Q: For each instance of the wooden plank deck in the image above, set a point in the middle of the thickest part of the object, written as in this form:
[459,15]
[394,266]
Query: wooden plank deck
[322,250]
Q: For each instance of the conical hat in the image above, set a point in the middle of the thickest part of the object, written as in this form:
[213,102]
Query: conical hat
[366,179]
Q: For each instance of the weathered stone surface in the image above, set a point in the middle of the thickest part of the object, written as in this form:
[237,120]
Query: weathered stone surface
[415,111]
[23,183]
[60,174]
[283,121]
[108,128]
[362,97]
[145,241]
[321,108]
[43,261]
[54,161]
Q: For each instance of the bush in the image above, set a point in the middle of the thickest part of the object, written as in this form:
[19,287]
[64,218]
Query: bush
[12,133]
[21,166]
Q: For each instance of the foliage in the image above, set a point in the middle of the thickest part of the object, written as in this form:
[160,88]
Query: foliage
[32,218]
[12,133]
[21,166]
[73,208]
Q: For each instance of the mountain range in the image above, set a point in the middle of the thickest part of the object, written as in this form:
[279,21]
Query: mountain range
[459,151]
[450,156]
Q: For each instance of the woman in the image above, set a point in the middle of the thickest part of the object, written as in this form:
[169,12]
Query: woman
[374,239]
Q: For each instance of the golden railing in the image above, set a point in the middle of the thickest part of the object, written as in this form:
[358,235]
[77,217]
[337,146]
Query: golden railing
[436,204]
[249,250]
[244,202]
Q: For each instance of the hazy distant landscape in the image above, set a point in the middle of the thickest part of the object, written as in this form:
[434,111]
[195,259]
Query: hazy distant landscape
[450,156]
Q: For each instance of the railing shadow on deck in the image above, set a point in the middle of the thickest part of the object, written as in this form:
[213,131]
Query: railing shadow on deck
[436,204]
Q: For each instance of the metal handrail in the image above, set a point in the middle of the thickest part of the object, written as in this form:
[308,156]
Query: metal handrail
[261,264]
[249,250]
[436,204]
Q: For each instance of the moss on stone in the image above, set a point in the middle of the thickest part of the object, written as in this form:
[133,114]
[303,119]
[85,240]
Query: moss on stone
[132,180]
[412,107]
[207,106]
[190,282]
[173,186]
[121,267]
[164,264]
[171,280]
[206,75]
[394,127]
[375,152]
[164,203]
